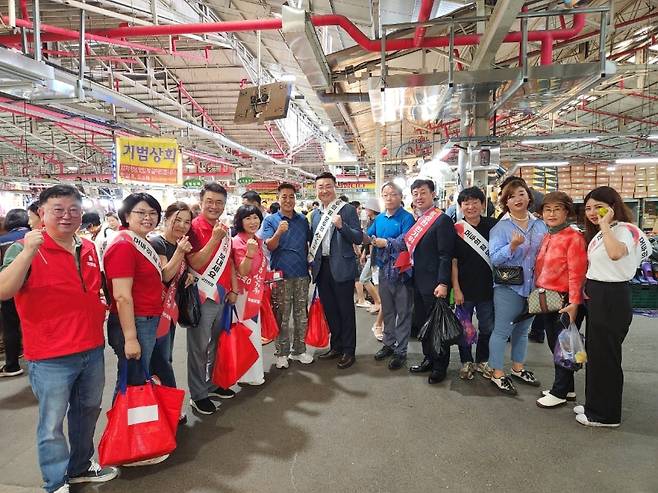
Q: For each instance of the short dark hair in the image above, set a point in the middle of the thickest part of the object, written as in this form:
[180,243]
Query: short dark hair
[242,213]
[34,207]
[213,187]
[91,219]
[274,207]
[252,196]
[111,214]
[471,193]
[419,183]
[326,174]
[286,186]
[16,218]
[59,191]
[316,203]
[132,200]
[344,198]
[177,207]
[356,204]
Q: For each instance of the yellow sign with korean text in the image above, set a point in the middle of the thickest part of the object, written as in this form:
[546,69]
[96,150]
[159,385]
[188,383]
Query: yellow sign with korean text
[148,160]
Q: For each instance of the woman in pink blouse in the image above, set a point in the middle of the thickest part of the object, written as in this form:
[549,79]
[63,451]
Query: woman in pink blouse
[251,266]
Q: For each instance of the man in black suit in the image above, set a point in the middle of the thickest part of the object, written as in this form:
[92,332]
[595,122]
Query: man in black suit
[432,257]
[336,229]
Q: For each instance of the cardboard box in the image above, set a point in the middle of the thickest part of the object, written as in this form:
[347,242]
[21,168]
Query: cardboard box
[591,167]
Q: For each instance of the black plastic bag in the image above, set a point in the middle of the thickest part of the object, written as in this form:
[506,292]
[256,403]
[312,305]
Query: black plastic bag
[189,305]
[442,329]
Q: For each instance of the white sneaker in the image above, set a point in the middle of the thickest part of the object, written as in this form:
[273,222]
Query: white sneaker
[281,362]
[256,382]
[549,401]
[579,409]
[364,304]
[148,462]
[62,489]
[571,396]
[304,358]
[582,419]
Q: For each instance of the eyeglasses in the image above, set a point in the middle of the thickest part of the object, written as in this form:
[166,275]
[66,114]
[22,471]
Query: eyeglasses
[557,210]
[59,212]
[143,214]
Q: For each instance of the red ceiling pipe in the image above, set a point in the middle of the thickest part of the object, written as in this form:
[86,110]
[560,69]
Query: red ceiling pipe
[269,131]
[619,117]
[29,150]
[374,45]
[546,56]
[201,109]
[423,16]
[24,12]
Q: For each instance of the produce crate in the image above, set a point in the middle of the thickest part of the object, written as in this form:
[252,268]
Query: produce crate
[644,296]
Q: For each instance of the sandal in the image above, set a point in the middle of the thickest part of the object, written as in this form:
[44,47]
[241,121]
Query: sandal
[378,331]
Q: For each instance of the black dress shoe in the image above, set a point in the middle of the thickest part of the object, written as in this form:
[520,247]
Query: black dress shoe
[345,361]
[396,362]
[425,366]
[383,353]
[331,354]
[436,376]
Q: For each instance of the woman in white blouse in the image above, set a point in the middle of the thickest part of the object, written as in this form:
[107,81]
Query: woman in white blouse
[615,249]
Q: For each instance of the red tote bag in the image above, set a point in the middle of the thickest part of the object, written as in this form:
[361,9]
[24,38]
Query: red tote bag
[142,423]
[317,334]
[269,328]
[235,355]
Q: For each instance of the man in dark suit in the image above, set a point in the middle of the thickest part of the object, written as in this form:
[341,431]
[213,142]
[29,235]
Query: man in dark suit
[432,258]
[334,267]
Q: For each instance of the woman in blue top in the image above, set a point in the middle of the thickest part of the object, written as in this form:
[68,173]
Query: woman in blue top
[513,242]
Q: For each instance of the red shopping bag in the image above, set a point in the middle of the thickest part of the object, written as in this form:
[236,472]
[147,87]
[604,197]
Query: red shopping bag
[235,355]
[269,328]
[142,423]
[317,334]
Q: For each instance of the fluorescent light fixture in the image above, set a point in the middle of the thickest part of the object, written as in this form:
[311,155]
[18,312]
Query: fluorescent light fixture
[611,168]
[324,128]
[653,137]
[543,164]
[72,168]
[638,160]
[287,78]
[560,140]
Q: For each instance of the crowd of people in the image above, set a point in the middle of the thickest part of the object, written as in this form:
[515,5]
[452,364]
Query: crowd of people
[61,291]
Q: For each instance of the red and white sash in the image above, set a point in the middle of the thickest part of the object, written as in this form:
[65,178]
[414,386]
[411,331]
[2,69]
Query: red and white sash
[474,239]
[323,227]
[142,246]
[207,282]
[170,308]
[254,286]
[643,246]
[413,237]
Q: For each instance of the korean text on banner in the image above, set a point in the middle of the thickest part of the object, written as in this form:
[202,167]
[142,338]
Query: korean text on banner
[148,160]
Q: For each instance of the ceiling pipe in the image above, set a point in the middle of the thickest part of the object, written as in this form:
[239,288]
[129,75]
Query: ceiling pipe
[343,97]
[423,16]
[109,36]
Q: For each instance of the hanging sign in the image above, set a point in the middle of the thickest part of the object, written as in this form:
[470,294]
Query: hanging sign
[193,183]
[245,180]
[148,160]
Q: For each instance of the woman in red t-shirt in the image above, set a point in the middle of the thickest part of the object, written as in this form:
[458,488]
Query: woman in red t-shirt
[134,277]
[251,265]
[560,266]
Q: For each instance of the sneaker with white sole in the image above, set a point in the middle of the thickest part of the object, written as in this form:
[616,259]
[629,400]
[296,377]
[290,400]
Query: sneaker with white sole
[571,396]
[504,384]
[304,358]
[525,376]
[550,401]
[256,383]
[5,372]
[579,409]
[364,304]
[62,489]
[467,371]
[484,369]
[203,406]
[281,362]
[95,474]
[148,462]
[582,419]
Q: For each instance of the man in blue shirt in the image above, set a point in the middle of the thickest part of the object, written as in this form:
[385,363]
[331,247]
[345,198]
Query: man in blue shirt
[395,290]
[287,235]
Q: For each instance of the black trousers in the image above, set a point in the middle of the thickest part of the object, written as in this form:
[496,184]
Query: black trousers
[609,315]
[423,306]
[11,334]
[338,303]
[564,381]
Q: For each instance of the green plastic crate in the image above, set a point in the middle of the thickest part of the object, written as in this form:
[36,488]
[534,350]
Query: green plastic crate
[644,296]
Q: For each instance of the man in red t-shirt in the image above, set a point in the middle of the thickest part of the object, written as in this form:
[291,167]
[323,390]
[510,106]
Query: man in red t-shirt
[206,235]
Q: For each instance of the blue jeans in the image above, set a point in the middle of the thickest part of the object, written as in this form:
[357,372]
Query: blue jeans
[161,359]
[507,307]
[146,327]
[485,314]
[74,383]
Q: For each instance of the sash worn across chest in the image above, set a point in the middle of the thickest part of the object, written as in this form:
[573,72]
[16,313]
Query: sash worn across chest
[142,246]
[474,239]
[208,281]
[640,239]
[254,288]
[323,227]
[413,237]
